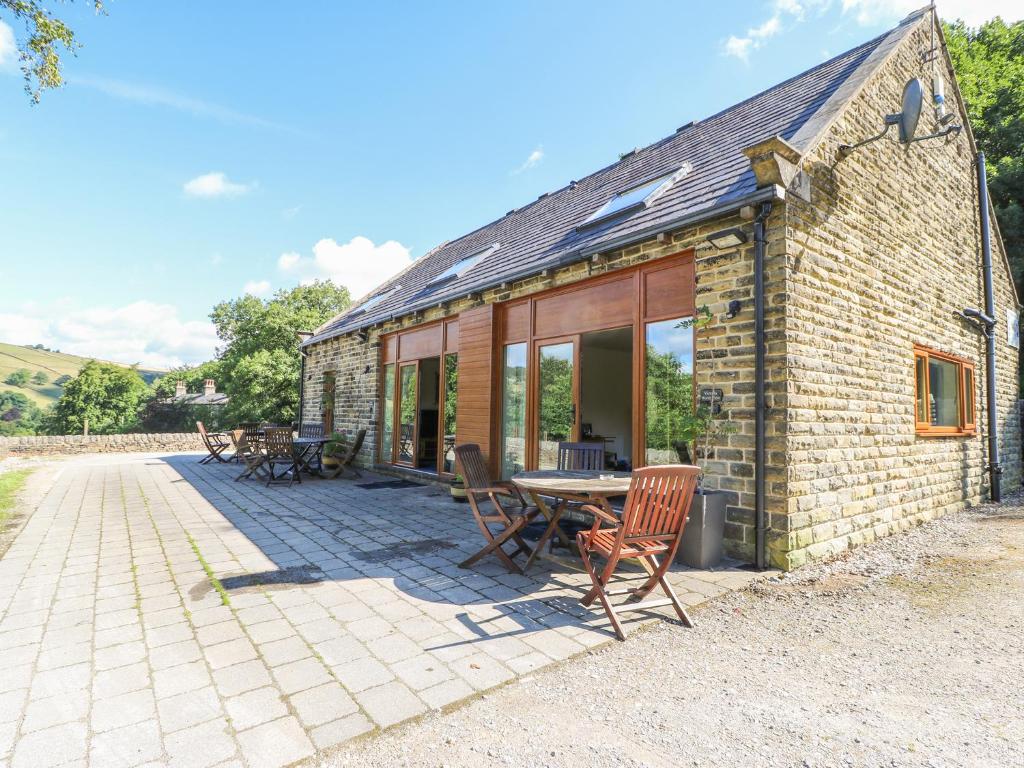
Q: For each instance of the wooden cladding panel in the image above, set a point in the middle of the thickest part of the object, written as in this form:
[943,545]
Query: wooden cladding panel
[606,304]
[668,291]
[420,343]
[515,322]
[473,416]
[390,348]
[451,336]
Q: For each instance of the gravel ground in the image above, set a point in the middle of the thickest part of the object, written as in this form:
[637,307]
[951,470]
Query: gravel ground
[903,653]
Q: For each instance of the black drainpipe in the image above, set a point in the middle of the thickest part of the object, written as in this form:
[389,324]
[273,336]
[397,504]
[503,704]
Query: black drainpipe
[302,383]
[760,404]
[995,468]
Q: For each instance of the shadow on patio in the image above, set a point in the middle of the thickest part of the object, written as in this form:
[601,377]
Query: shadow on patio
[396,545]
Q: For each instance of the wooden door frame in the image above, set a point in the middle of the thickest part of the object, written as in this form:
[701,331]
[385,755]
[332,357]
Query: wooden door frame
[442,400]
[533,386]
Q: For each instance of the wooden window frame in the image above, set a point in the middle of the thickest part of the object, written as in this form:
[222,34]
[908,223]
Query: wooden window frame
[965,428]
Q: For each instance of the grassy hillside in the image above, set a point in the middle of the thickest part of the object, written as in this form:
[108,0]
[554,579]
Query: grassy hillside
[53,364]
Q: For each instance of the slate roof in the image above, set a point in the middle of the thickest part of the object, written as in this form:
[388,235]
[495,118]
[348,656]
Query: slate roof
[544,234]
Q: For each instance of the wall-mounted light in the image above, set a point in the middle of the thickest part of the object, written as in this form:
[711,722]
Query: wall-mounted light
[363,334]
[727,238]
[734,309]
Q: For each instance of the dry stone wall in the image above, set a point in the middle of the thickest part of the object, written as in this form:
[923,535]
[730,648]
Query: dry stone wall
[74,444]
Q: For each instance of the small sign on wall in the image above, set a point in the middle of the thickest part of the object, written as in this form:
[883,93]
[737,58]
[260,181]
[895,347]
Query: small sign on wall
[1013,328]
[712,398]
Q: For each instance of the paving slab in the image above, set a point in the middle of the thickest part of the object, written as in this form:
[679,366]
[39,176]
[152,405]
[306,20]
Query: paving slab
[343,611]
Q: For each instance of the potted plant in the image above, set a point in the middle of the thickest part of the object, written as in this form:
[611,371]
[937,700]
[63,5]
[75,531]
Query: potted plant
[334,449]
[458,488]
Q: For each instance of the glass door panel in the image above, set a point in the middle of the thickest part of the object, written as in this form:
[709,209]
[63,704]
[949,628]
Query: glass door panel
[451,388]
[387,419]
[556,395]
[407,414]
[513,411]
[668,391]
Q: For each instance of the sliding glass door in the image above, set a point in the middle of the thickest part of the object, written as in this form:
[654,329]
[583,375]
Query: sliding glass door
[407,406]
[556,399]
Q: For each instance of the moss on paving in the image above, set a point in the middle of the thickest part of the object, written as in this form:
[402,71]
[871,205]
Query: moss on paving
[214,581]
[11,484]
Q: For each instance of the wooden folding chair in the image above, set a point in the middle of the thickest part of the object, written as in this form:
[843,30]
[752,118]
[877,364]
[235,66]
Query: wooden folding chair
[311,430]
[216,443]
[280,452]
[253,434]
[652,525]
[247,453]
[581,456]
[471,465]
[346,462]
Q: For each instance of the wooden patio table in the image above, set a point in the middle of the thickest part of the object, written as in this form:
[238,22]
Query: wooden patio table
[565,486]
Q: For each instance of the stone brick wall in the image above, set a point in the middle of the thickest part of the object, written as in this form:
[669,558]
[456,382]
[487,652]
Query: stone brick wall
[356,367]
[73,444]
[883,258]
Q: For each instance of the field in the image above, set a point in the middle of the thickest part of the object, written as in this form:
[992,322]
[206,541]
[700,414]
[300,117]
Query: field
[53,364]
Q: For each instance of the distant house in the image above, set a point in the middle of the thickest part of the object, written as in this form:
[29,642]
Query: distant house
[835,282]
[209,396]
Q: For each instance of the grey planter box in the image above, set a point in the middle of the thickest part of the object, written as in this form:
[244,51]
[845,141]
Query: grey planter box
[701,546]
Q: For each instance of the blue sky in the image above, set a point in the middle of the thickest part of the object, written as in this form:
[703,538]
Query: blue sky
[202,150]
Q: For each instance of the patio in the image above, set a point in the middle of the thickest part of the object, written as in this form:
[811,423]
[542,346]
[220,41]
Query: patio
[342,611]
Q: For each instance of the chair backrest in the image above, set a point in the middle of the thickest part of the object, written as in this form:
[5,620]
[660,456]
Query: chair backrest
[203,433]
[241,442]
[354,448]
[278,441]
[471,465]
[311,430]
[658,502]
[252,431]
[581,456]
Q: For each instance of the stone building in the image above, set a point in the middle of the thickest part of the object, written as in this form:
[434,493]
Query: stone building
[611,308]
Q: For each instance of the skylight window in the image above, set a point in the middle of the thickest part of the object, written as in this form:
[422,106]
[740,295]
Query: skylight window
[462,266]
[637,197]
[373,301]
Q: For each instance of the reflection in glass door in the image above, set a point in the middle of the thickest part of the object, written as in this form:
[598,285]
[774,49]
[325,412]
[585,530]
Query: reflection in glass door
[387,421]
[407,414]
[556,395]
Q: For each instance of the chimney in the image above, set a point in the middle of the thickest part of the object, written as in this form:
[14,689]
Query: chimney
[179,389]
[208,388]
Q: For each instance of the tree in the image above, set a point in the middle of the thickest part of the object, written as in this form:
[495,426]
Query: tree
[19,378]
[989,64]
[38,50]
[40,378]
[18,414]
[259,364]
[108,396]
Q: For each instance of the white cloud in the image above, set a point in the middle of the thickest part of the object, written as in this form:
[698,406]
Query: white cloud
[974,12]
[216,184]
[156,96]
[257,287]
[535,157]
[740,47]
[291,213]
[865,13]
[143,332]
[359,265]
[8,47]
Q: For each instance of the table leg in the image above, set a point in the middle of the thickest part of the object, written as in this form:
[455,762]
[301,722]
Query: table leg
[550,531]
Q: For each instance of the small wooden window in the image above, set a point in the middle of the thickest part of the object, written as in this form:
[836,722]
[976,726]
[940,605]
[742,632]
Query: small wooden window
[944,394]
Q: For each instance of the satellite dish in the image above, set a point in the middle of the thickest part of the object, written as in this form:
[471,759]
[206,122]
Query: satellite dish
[913,103]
